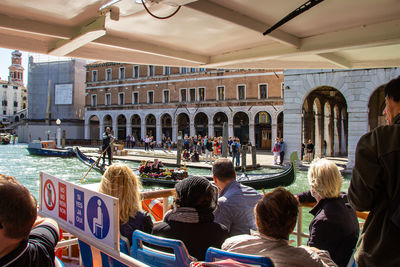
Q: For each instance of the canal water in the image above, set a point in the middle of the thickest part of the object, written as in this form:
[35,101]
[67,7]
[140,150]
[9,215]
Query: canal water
[16,161]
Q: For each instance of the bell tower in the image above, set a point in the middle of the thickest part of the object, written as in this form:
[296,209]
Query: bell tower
[16,71]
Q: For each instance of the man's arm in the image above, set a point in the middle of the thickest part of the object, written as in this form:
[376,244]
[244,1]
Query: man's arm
[367,175]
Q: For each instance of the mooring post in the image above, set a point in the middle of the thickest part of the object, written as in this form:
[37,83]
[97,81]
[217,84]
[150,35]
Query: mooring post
[179,150]
[243,152]
[225,140]
[254,157]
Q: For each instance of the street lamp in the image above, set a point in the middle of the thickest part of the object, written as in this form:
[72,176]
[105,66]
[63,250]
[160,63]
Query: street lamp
[58,122]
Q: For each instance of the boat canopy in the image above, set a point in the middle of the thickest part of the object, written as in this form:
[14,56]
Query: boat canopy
[209,33]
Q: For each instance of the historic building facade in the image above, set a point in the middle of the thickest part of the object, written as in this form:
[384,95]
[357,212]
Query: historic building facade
[13,93]
[56,90]
[159,101]
[333,108]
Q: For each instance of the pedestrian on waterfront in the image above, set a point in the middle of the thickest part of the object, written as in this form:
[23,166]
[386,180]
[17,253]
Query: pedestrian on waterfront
[128,141]
[310,150]
[276,215]
[209,150]
[133,141]
[282,150]
[120,182]
[249,146]
[375,186]
[146,143]
[25,238]
[191,219]
[169,144]
[235,148]
[236,201]
[335,225]
[275,150]
[106,148]
[230,142]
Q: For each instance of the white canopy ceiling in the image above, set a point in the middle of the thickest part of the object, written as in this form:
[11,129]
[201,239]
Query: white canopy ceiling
[210,33]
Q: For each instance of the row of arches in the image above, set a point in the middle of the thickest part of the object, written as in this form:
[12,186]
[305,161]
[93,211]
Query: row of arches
[324,121]
[259,131]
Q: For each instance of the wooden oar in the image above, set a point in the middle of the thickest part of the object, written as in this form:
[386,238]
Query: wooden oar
[95,162]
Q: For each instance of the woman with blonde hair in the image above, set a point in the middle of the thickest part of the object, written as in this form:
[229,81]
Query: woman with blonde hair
[335,225]
[119,181]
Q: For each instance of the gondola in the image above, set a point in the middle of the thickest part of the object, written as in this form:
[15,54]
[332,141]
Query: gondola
[257,181]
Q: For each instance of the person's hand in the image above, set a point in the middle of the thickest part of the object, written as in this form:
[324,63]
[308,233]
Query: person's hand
[297,198]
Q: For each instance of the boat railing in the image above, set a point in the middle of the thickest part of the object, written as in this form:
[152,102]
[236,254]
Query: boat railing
[299,227]
[165,194]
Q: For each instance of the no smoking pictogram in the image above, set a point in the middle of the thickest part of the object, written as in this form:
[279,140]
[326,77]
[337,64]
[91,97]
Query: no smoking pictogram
[49,195]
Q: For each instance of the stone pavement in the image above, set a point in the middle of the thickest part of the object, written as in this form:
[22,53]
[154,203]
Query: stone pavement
[264,158]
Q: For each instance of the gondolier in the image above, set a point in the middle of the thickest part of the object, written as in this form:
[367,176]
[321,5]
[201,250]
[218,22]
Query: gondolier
[107,140]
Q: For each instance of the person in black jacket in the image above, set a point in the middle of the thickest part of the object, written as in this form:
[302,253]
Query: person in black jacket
[107,140]
[375,186]
[191,220]
[335,225]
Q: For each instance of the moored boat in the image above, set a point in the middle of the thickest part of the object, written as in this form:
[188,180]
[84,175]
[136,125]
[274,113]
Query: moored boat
[257,181]
[48,148]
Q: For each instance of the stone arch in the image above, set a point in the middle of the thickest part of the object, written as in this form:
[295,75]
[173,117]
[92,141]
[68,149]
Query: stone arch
[201,124]
[241,126]
[279,124]
[151,125]
[121,127]
[263,130]
[218,121]
[166,125]
[183,123]
[319,123]
[376,105]
[107,122]
[136,124]
[94,127]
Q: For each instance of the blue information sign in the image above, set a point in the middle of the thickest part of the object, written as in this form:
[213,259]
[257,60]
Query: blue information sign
[97,217]
[79,203]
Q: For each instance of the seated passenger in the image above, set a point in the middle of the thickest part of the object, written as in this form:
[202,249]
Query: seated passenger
[195,156]
[148,167]
[186,154]
[276,215]
[335,225]
[155,167]
[191,220]
[236,201]
[25,239]
[119,181]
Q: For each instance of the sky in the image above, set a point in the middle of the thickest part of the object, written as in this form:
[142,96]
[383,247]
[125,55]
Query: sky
[5,62]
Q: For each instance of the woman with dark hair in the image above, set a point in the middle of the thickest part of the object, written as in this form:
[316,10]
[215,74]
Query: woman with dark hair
[276,215]
[191,220]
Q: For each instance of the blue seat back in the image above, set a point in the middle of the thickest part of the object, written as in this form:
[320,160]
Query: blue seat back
[214,254]
[123,246]
[88,257]
[155,257]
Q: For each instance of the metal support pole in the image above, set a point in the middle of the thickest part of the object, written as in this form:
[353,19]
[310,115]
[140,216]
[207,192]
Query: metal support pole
[63,139]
